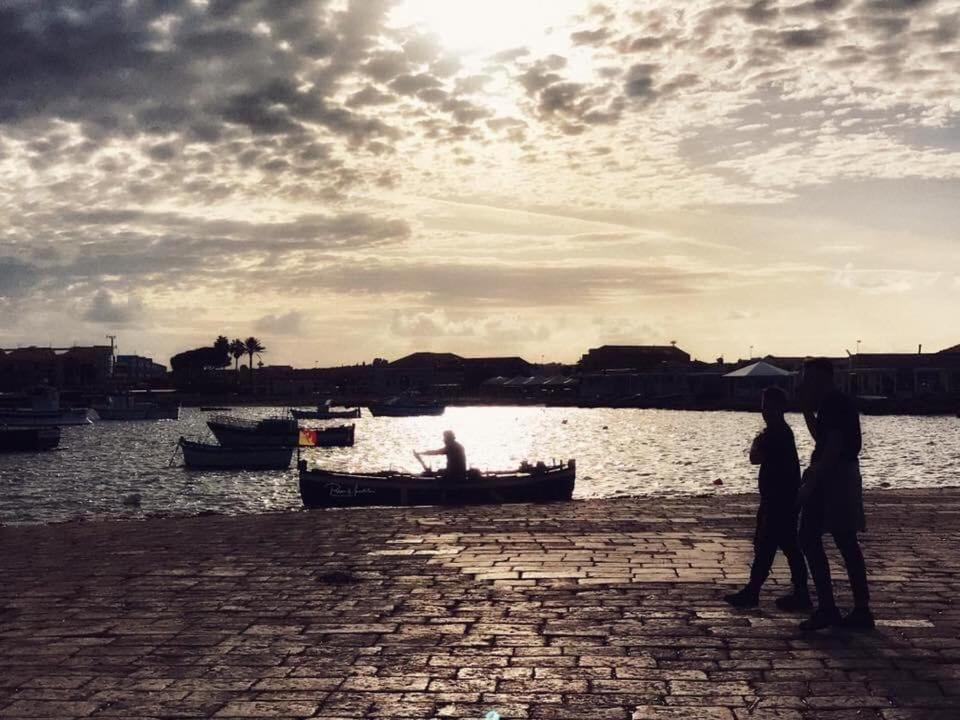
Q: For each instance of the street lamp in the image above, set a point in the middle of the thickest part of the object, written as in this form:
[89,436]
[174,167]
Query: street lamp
[858,347]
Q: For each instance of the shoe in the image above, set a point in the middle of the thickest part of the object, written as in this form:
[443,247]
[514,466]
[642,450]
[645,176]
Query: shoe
[821,618]
[858,619]
[743,599]
[795,602]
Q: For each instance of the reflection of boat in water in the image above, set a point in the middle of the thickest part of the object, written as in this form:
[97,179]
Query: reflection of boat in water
[203,456]
[530,483]
[29,439]
[274,431]
[45,411]
[326,411]
[407,406]
[126,407]
[336,436]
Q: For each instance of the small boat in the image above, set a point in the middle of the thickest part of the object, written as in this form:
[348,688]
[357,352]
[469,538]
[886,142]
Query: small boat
[275,431]
[336,436]
[28,417]
[325,412]
[214,408]
[406,406]
[124,407]
[530,483]
[204,456]
[29,439]
[45,411]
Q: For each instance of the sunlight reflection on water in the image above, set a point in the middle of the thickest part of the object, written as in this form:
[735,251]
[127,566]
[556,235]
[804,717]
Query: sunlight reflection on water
[618,452]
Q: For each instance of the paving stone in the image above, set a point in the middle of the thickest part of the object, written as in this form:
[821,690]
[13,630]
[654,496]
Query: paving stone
[593,609]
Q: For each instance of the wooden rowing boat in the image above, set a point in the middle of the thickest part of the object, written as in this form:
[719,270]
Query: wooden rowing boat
[530,483]
[203,456]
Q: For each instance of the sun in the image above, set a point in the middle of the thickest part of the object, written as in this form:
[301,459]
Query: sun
[484,27]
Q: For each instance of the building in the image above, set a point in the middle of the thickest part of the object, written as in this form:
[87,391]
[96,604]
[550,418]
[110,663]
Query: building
[478,370]
[73,368]
[631,357]
[904,375]
[137,370]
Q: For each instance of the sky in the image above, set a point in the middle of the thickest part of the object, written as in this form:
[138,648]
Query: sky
[351,179]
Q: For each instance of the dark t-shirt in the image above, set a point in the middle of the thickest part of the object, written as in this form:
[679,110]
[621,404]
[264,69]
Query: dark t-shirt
[456,461]
[838,413]
[780,467]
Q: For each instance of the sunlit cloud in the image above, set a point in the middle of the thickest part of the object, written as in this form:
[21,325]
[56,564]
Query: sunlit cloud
[479,168]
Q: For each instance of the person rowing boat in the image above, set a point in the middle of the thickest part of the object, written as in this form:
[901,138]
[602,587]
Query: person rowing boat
[456,470]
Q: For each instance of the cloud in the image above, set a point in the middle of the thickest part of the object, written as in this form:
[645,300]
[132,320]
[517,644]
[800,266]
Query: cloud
[880,282]
[107,309]
[289,323]
[16,277]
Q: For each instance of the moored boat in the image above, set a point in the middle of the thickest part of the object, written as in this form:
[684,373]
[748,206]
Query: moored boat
[275,431]
[324,412]
[28,417]
[336,436]
[204,456]
[29,439]
[45,411]
[406,406]
[529,483]
[125,407]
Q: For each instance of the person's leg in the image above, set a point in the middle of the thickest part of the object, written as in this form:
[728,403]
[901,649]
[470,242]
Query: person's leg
[811,542]
[849,548]
[764,552]
[790,545]
[749,596]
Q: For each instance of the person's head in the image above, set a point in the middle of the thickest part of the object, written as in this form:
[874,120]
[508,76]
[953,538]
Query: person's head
[774,404]
[816,381]
[448,437]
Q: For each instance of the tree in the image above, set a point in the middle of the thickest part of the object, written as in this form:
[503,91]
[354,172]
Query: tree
[252,346]
[238,350]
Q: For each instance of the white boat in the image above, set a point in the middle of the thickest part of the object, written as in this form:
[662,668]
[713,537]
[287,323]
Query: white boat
[203,456]
[326,411]
[45,411]
[125,407]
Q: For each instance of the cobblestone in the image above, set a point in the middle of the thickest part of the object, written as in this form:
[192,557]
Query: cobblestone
[588,610]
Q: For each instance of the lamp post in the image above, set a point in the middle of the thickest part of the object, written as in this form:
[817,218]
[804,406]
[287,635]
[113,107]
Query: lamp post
[858,347]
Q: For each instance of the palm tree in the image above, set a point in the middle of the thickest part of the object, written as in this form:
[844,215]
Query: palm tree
[252,346]
[238,350]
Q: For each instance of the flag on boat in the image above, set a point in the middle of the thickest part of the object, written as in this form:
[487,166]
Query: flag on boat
[308,438]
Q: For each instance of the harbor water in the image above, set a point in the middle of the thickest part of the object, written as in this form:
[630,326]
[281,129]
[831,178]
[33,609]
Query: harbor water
[133,469]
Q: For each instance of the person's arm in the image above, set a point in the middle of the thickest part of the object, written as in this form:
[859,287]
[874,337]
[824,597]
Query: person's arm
[441,451]
[810,417]
[756,450]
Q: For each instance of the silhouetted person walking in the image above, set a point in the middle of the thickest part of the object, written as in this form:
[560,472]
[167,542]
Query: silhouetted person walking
[775,451]
[831,497]
[456,470]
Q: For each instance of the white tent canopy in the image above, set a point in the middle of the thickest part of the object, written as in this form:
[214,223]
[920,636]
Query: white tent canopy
[759,370]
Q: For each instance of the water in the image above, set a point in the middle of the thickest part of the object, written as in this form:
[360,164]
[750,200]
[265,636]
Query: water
[99,467]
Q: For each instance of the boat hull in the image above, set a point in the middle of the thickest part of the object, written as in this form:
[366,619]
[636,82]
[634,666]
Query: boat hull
[270,433]
[326,489]
[325,414]
[140,413]
[201,456]
[48,418]
[29,439]
[408,411]
[338,436]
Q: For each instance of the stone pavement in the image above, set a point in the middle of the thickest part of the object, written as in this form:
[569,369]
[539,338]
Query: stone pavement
[589,610]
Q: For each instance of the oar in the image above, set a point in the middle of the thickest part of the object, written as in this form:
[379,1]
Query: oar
[417,456]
